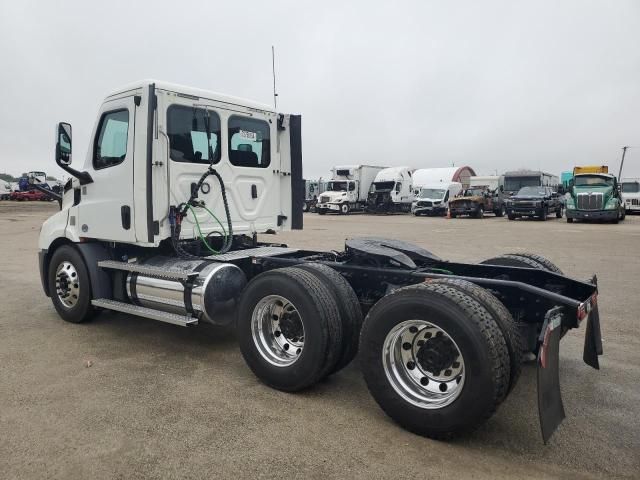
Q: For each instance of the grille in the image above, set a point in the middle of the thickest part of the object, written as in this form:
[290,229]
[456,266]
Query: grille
[425,204]
[324,199]
[590,201]
[525,204]
[635,201]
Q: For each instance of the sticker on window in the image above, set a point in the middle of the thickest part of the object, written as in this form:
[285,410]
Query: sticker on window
[247,135]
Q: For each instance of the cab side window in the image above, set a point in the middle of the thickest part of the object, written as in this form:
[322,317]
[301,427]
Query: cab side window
[249,142]
[110,146]
[187,132]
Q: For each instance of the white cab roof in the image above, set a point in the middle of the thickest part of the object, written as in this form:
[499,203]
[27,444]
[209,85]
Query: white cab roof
[196,92]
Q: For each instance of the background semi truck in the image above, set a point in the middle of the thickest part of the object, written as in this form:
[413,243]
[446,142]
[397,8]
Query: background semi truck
[630,188]
[391,191]
[348,189]
[161,220]
[594,194]
[515,180]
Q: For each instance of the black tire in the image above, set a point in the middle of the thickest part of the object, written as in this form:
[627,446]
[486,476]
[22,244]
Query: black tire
[478,338]
[503,318]
[500,212]
[511,216]
[513,260]
[453,215]
[349,307]
[569,220]
[545,262]
[344,209]
[559,212]
[480,212]
[319,316]
[321,211]
[543,214]
[305,207]
[82,310]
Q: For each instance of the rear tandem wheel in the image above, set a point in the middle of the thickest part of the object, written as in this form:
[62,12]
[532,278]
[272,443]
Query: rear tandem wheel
[434,359]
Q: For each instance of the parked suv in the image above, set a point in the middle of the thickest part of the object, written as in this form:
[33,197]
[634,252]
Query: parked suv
[534,202]
[475,202]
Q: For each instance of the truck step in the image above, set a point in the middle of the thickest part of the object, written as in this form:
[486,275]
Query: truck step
[150,270]
[175,319]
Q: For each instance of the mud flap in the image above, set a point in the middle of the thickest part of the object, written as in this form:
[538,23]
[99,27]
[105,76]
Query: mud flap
[593,340]
[550,407]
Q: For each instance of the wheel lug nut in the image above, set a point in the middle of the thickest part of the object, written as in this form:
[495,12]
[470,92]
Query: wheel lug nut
[286,346]
[443,387]
[428,335]
[274,317]
[277,333]
[413,329]
[437,374]
[420,343]
[456,364]
[411,365]
[424,381]
[447,372]
[406,346]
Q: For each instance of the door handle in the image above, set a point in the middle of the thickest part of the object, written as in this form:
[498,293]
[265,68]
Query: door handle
[254,191]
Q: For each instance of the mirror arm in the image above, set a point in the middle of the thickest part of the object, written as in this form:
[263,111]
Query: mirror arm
[84,177]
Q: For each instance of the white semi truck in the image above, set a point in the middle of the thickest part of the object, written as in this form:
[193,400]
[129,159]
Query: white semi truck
[348,189]
[391,191]
[161,221]
[631,194]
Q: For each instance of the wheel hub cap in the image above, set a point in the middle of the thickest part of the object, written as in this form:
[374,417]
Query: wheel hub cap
[67,284]
[423,364]
[277,330]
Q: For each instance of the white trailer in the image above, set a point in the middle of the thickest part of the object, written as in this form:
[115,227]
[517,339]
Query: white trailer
[391,191]
[348,189]
[631,194]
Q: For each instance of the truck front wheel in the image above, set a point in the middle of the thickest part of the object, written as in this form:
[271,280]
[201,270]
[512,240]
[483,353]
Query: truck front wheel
[434,359]
[344,208]
[69,285]
[289,328]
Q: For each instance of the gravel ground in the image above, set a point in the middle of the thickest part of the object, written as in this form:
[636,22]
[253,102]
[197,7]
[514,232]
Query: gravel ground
[160,401]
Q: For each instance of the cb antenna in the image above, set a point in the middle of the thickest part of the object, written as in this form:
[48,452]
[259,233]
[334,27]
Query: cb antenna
[273,69]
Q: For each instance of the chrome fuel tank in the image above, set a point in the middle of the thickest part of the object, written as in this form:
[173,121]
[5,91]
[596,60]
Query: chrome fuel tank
[211,293]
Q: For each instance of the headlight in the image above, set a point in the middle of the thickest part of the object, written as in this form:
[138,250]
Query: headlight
[437,203]
[611,203]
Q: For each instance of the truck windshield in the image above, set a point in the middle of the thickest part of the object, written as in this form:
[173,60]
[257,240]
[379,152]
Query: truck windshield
[592,181]
[513,184]
[631,187]
[337,186]
[381,187]
[431,193]
[532,191]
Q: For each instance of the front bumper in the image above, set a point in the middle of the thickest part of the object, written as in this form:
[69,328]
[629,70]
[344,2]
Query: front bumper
[437,210]
[592,215]
[328,206]
[464,210]
[42,256]
[523,211]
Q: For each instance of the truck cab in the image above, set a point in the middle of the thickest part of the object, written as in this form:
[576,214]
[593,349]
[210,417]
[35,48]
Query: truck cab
[149,147]
[348,189]
[630,188]
[594,196]
[391,191]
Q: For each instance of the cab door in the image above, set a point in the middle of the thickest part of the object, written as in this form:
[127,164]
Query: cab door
[106,210]
[242,150]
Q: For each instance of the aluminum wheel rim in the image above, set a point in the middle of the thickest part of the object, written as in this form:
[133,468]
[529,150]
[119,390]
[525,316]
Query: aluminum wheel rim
[407,370]
[277,330]
[67,284]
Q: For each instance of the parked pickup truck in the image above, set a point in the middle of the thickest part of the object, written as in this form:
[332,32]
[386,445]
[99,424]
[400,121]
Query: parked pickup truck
[475,201]
[536,202]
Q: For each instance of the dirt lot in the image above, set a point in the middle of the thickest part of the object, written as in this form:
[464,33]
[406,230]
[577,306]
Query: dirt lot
[164,401]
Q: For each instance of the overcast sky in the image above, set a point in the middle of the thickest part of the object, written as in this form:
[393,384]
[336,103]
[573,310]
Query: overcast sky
[494,85]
